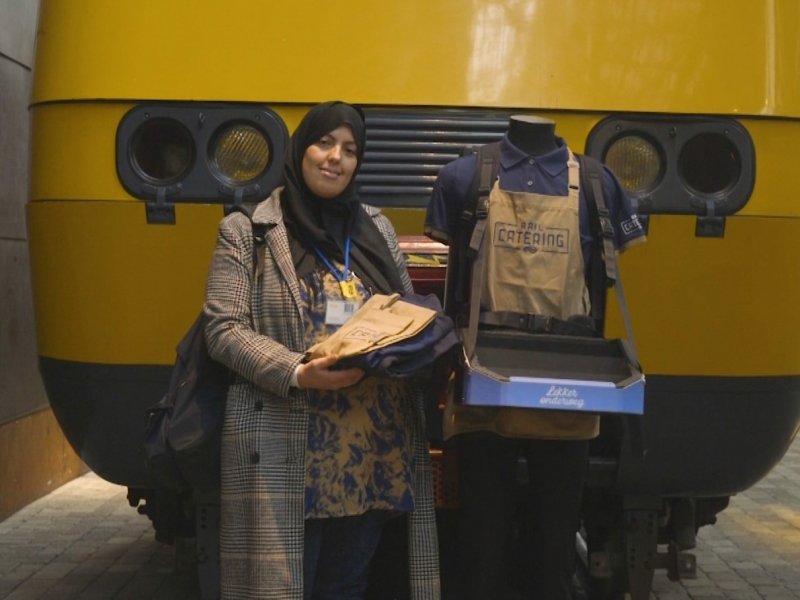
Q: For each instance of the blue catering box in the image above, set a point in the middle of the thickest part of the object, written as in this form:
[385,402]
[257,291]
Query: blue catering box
[553,372]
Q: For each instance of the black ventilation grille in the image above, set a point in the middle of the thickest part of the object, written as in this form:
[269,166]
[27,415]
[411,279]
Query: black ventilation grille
[406,149]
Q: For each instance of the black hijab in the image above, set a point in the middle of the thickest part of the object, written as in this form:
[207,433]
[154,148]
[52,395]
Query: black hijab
[325,223]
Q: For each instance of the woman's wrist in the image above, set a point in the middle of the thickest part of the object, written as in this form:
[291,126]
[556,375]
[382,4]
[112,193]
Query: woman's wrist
[293,380]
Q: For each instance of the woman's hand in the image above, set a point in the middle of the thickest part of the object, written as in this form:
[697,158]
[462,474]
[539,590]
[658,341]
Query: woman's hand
[317,374]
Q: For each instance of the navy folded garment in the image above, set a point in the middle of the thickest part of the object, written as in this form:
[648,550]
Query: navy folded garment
[409,356]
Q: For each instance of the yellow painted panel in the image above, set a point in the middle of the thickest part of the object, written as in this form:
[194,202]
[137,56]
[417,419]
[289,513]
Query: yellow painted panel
[73,151]
[777,173]
[406,221]
[692,56]
[715,306]
[111,289]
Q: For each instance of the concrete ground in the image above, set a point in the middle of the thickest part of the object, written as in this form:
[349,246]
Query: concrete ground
[83,541]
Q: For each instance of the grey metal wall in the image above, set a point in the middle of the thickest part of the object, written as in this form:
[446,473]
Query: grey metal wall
[21,390]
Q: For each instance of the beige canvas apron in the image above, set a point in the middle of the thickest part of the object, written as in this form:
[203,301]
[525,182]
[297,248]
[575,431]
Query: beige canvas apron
[534,264]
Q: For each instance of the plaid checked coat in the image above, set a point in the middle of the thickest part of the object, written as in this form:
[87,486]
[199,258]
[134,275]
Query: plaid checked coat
[265,428]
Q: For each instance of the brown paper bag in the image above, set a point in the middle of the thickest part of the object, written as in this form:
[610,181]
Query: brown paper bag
[382,320]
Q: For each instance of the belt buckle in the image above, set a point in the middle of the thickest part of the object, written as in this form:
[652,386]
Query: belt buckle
[540,323]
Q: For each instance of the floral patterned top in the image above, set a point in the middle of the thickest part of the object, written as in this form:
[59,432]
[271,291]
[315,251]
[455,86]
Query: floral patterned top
[359,443]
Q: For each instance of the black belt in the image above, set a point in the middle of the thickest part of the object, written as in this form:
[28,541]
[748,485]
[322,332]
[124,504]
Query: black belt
[538,323]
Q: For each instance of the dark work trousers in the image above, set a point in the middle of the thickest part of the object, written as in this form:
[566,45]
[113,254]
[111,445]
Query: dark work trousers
[489,516]
[337,554]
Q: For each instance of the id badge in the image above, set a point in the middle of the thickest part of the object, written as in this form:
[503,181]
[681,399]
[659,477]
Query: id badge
[338,312]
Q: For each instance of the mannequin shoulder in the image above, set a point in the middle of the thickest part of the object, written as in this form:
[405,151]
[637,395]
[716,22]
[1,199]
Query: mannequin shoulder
[462,167]
[455,178]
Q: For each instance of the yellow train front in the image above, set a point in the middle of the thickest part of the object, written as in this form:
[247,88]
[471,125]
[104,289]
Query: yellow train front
[149,117]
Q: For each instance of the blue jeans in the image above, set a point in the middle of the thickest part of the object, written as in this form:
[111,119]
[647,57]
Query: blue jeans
[337,555]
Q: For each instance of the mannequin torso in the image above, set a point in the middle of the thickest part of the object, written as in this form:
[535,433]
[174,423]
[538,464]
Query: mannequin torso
[533,135]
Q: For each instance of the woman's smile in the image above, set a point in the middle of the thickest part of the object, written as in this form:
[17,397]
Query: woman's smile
[329,163]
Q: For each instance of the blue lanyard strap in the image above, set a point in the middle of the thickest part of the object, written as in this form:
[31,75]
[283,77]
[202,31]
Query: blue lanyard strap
[340,277]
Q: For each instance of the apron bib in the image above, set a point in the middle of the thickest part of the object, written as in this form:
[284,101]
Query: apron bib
[534,260]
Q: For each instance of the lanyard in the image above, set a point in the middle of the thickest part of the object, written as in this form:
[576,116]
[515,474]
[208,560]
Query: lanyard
[346,283]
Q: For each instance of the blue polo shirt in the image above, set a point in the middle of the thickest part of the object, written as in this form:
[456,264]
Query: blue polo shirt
[518,172]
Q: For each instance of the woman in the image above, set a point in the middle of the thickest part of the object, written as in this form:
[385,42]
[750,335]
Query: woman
[314,459]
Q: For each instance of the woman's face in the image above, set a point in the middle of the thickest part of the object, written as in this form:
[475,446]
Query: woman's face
[329,163]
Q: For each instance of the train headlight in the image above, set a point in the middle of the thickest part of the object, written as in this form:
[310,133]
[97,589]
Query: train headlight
[162,150]
[217,153]
[240,153]
[636,162]
[709,164]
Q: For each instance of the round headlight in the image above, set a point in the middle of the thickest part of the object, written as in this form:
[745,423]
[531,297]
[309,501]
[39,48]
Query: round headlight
[635,161]
[162,150]
[240,153]
[709,163]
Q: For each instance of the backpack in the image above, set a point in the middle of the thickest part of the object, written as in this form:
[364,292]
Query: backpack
[602,273]
[183,430]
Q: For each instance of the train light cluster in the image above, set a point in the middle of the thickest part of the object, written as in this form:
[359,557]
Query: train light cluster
[679,165]
[169,153]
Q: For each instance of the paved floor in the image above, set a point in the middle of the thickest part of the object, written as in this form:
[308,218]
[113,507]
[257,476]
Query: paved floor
[83,541]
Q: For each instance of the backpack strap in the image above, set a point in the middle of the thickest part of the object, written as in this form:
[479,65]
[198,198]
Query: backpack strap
[604,273]
[605,252]
[259,243]
[599,280]
[475,211]
[259,236]
[476,207]
[259,246]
